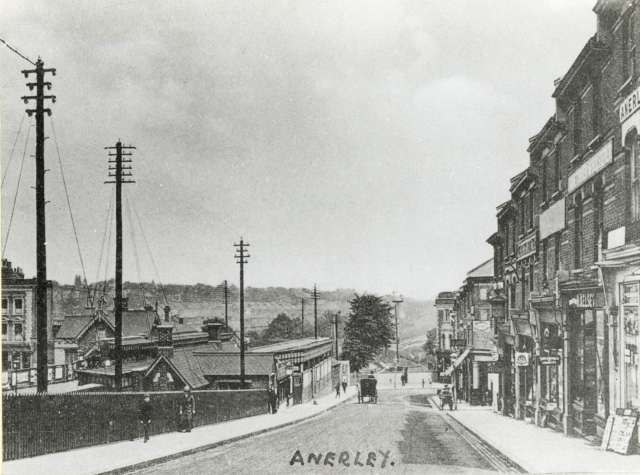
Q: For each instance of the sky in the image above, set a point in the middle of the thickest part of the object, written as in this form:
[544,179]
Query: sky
[360,144]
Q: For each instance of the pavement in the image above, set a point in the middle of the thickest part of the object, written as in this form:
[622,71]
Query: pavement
[120,457]
[537,449]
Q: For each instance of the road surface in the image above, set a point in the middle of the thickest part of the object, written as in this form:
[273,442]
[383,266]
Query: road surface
[400,434]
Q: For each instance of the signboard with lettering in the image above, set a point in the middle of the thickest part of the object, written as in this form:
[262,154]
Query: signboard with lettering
[622,433]
[630,104]
[593,165]
[548,360]
[522,359]
[526,247]
[552,219]
[586,300]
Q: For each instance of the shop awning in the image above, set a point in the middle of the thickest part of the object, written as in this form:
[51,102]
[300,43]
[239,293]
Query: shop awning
[457,362]
[523,327]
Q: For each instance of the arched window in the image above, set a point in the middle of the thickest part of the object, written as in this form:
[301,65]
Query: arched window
[631,143]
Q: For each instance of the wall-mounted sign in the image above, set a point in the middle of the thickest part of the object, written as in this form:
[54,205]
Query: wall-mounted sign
[548,360]
[594,164]
[616,237]
[522,359]
[526,247]
[630,104]
[552,220]
[586,300]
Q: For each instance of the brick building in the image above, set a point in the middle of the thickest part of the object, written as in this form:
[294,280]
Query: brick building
[567,244]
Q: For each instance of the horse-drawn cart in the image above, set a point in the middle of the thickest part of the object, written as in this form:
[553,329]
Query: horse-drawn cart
[368,389]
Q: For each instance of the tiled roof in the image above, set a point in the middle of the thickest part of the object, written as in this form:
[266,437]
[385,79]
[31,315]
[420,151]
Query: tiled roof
[189,367]
[483,270]
[228,364]
[72,325]
[135,322]
[291,345]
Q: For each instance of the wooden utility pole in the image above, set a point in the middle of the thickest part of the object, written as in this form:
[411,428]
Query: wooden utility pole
[315,297]
[119,173]
[302,309]
[241,258]
[226,307]
[335,323]
[41,243]
[396,302]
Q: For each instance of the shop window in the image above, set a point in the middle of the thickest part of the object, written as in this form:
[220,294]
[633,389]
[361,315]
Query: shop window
[577,233]
[631,343]
[18,305]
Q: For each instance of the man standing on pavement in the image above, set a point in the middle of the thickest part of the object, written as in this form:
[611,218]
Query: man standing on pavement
[146,412]
[187,410]
[344,384]
[338,389]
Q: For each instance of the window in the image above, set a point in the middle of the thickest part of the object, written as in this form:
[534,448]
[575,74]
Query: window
[556,252]
[483,294]
[577,233]
[506,238]
[4,328]
[26,360]
[634,160]
[577,126]
[522,216]
[545,249]
[18,305]
[598,241]
[631,343]
[596,112]
[4,304]
[556,170]
[628,48]
[531,209]
[543,165]
[531,277]
[17,329]
[523,287]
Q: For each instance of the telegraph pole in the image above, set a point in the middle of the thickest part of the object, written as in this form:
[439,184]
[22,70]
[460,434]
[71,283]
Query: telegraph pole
[396,302]
[226,308]
[41,243]
[335,323]
[315,297]
[241,258]
[302,308]
[119,173]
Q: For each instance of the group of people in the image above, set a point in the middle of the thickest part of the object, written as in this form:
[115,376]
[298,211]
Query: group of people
[186,411]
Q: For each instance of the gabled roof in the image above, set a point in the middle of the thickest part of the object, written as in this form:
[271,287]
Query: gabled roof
[135,322]
[73,325]
[521,179]
[483,270]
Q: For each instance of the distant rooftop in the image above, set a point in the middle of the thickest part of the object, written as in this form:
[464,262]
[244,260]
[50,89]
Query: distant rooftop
[483,270]
[291,345]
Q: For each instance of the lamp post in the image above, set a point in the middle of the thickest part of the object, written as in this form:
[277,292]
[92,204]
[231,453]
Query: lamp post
[290,374]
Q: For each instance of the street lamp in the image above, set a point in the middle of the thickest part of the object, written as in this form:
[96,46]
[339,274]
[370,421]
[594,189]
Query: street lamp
[289,371]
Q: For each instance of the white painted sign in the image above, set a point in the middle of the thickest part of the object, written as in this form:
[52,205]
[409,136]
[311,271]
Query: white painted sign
[630,105]
[600,159]
[616,237]
[552,220]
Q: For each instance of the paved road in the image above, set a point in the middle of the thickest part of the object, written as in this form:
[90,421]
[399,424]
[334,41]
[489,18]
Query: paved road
[400,434]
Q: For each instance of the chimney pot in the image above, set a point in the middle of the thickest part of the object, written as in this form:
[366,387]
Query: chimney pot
[167,309]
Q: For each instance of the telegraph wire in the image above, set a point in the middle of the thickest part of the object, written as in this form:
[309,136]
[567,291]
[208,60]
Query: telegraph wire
[15,196]
[16,51]
[13,148]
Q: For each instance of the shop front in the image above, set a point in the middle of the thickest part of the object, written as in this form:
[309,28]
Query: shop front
[588,371]
[523,368]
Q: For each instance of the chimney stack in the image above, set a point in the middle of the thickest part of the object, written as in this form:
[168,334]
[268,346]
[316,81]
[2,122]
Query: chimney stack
[167,309]
[212,327]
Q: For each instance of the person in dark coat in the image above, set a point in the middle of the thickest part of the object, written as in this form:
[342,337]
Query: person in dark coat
[187,410]
[338,389]
[146,413]
[344,384]
[273,400]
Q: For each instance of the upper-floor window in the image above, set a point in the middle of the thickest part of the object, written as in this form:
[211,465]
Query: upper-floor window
[531,277]
[556,253]
[531,209]
[556,169]
[483,294]
[577,126]
[4,328]
[634,161]
[598,211]
[17,329]
[4,304]
[577,234]
[545,249]
[522,215]
[596,104]
[543,165]
[628,48]
[17,303]
[506,238]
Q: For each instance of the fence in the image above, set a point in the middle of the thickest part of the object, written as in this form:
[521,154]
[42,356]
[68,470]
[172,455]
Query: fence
[41,423]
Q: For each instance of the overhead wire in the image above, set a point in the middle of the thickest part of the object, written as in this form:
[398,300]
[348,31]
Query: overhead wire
[15,195]
[66,193]
[13,148]
[102,245]
[16,51]
[134,245]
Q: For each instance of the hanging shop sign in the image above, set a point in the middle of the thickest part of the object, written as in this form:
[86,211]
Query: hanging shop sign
[586,300]
[522,359]
[526,247]
[592,166]
[548,360]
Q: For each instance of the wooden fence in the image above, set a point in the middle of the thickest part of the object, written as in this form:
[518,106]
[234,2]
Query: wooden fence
[38,424]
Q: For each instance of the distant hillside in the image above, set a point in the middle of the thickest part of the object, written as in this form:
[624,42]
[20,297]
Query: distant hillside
[261,304]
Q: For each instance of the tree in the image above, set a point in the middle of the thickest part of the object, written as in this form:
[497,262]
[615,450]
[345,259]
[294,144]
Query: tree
[281,328]
[368,330]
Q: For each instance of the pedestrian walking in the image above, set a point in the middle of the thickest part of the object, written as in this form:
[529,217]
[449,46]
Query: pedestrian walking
[272,400]
[146,413]
[187,410]
[446,397]
[344,384]
[422,383]
[338,389]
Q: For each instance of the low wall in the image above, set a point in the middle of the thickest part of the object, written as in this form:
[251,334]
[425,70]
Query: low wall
[37,424]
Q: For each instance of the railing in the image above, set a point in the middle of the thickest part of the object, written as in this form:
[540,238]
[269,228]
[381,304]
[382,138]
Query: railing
[45,423]
[28,377]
